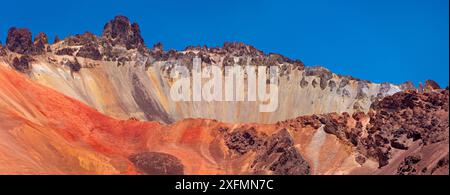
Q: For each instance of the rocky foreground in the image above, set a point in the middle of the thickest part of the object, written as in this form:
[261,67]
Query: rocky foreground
[101,105]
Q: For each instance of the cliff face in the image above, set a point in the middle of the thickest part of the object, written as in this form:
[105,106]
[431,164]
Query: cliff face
[119,77]
[45,132]
[102,105]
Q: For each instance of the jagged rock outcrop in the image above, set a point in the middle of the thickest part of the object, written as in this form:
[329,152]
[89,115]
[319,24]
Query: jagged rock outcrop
[56,40]
[22,63]
[66,51]
[431,85]
[120,31]
[90,51]
[243,139]
[19,40]
[40,42]
[408,86]
[280,157]
[396,122]
[81,39]
[74,66]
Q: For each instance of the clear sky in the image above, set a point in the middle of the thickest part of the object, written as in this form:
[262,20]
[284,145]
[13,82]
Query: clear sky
[378,40]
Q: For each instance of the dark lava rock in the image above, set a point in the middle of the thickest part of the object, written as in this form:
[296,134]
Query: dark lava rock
[303,83]
[360,159]
[280,157]
[335,124]
[314,83]
[243,140]
[443,165]
[66,51]
[430,84]
[19,40]
[407,117]
[22,64]
[40,41]
[74,66]
[241,49]
[89,51]
[408,166]
[408,85]
[324,75]
[121,31]
[81,39]
[332,85]
[344,82]
[56,40]
[158,47]
[155,163]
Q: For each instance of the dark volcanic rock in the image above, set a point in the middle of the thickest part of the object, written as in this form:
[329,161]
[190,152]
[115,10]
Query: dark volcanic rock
[74,66]
[89,51]
[324,75]
[40,41]
[22,64]
[83,39]
[407,86]
[243,139]
[408,166]
[154,163]
[66,51]
[120,31]
[404,118]
[430,84]
[280,157]
[158,47]
[56,40]
[303,83]
[241,49]
[19,41]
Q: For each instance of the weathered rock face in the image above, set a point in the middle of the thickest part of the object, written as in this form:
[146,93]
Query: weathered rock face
[40,42]
[56,40]
[345,124]
[22,63]
[81,39]
[74,66]
[120,31]
[431,85]
[279,156]
[90,51]
[58,134]
[395,125]
[19,41]
[243,140]
[66,51]
[407,86]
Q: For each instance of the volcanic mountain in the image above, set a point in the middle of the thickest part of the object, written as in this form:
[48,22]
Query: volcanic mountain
[92,104]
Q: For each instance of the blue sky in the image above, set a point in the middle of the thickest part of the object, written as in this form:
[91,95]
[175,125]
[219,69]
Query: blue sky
[378,40]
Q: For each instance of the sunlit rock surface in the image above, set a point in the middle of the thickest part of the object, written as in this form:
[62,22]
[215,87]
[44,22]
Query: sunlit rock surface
[101,105]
